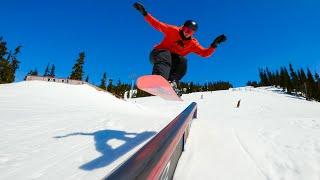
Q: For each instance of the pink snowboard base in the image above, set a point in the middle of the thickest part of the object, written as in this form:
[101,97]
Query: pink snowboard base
[158,86]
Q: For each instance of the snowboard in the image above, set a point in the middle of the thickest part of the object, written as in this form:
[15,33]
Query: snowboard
[158,86]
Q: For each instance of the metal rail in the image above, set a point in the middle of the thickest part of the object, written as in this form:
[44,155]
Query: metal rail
[159,157]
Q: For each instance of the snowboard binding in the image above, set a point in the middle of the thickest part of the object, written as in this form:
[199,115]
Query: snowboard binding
[175,88]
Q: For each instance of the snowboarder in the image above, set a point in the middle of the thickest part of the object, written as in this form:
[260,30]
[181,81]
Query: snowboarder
[168,57]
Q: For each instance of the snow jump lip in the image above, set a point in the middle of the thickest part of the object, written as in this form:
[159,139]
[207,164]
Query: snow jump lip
[159,157]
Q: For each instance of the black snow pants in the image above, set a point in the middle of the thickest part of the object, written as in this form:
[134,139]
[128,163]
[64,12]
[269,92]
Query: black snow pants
[169,65]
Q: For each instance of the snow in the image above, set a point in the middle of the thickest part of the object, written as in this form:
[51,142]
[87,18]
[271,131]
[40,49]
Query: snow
[54,130]
[271,136]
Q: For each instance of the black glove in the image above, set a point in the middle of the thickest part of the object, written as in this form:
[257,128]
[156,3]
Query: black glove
[218,40]
[140,8]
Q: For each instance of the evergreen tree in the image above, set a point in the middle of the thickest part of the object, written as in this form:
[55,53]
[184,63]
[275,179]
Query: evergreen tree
[103,84]
[46,72]
[282,78]
[311,85]
[270,77]
[52,71]
[294,78]
[277,78]
[264,81]
[317,79]
[118,88]
[220,85]
[191,87]
[302,81]
[87,78]
[77,70]
[33,73]
[295,81]
[110,86]
[14,64]
[4,63]
[9,63]
[4,71]
[252,83]
[288,84]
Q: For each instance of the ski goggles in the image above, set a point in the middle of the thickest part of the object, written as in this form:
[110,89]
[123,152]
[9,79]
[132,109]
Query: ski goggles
[188,29]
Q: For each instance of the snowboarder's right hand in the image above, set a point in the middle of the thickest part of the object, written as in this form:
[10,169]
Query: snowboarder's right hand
[140,8]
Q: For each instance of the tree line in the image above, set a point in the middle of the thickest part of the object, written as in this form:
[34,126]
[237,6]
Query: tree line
[9,63]
[190,87]
[297,82]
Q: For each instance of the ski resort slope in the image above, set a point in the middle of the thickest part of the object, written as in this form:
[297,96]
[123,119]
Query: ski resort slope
[271,136]
[60,131]
[52,130]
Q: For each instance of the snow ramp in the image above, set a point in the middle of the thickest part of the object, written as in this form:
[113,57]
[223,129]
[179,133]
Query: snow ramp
[54,130]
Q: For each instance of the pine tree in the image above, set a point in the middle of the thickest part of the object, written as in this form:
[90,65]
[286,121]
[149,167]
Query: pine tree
[270,77]
[252,83]
[9,63]
[277,78]
[33,73]
[29,73]
[191,87]
[46,72]
[118,88]
[14,64]
[52,71]
[87,78]
[282,78]
[311,85]
[264,81]
[4,63]
[110,86]
[294,79]
[302,81]
[77,70]
[4,71]
[287,79]
[317,79]
[103,84]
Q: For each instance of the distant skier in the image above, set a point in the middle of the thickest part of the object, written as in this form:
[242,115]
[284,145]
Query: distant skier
[168,57]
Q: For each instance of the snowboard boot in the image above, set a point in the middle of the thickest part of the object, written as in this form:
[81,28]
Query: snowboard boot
[175,88]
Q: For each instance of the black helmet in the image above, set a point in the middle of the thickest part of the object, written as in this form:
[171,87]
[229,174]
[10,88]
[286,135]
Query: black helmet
[191,24]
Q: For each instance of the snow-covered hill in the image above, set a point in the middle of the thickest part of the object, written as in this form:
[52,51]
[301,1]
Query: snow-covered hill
[271,136]
[52,130]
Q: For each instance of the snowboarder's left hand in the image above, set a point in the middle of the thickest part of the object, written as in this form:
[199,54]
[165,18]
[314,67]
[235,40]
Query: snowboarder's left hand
[140,8]
[218,40]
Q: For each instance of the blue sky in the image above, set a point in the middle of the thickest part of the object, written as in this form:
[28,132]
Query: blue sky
[117,40]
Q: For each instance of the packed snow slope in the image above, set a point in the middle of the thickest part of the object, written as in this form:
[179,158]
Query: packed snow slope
[271,136]
[52,130]
[60,131]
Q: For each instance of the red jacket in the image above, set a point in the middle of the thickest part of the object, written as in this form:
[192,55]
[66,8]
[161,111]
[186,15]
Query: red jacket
[173,41]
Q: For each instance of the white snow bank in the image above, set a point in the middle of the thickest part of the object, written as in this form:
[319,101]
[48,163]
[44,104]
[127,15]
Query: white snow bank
[54,130]
[272,136]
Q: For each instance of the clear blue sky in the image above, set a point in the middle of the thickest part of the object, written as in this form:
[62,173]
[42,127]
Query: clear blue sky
[117,40]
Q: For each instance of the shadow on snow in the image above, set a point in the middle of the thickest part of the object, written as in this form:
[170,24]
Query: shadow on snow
[110,154]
